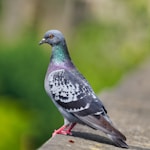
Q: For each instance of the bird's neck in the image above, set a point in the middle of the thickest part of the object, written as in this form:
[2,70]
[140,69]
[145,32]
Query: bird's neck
[60,55]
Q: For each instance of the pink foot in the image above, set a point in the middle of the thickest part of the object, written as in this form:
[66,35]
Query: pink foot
[65,130]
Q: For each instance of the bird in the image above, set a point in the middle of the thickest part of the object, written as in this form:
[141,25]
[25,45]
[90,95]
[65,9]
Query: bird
[72,94]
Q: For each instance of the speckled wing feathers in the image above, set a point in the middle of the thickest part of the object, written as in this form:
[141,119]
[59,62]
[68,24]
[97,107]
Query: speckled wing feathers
[73,93]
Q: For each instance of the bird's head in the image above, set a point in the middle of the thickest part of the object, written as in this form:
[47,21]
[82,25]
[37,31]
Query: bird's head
[53,37]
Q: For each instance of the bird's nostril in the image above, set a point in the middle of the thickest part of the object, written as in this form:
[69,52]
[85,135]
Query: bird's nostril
[42,41]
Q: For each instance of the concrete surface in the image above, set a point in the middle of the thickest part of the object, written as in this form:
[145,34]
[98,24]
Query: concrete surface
[128,106]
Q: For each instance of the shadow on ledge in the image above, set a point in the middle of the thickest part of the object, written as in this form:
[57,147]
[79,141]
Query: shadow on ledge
[92,137]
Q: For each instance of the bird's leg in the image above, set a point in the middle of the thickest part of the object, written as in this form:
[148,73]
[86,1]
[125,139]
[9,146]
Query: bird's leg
[71,126]
[65,129]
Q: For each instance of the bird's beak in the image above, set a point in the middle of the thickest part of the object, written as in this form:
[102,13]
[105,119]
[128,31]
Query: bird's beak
[42,41]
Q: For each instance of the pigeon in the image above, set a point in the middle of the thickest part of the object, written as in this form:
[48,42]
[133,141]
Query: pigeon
[72,94]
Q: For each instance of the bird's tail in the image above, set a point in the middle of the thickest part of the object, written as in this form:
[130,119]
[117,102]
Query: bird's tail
[104,124]
[118,141]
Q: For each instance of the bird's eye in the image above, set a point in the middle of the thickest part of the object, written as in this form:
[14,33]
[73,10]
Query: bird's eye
[51,36]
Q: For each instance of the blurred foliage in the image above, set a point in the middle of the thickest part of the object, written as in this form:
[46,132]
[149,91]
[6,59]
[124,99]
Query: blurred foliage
[14,124]
[23,66]
[103,51]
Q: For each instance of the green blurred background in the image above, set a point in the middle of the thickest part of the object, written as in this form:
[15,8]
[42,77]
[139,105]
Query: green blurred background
[106,40]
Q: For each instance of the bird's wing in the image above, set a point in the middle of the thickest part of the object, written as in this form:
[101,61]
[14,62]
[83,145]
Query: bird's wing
[72,92]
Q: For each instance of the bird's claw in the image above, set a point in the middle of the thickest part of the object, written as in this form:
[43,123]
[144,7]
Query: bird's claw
[64,130]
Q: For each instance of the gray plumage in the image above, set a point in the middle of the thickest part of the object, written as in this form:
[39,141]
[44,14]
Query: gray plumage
[72,94]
